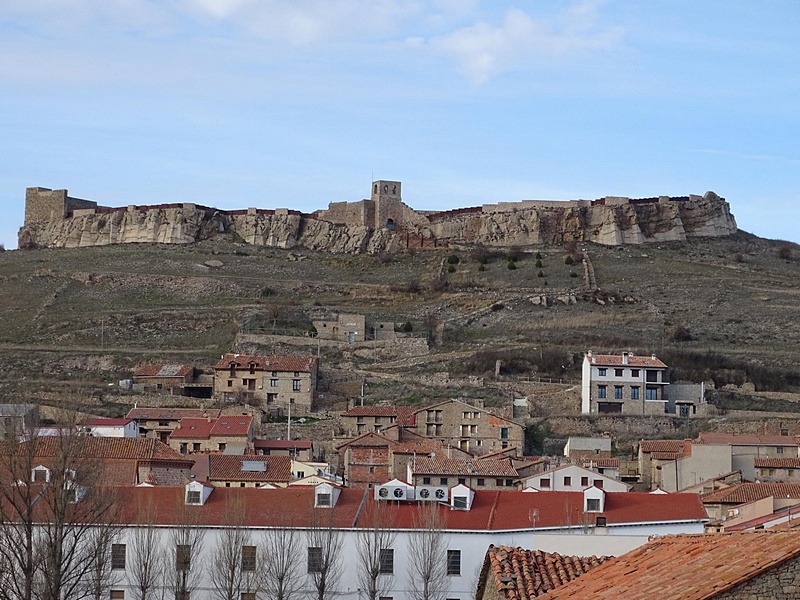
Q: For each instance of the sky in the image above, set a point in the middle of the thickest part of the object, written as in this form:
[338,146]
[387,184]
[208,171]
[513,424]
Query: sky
[298,103]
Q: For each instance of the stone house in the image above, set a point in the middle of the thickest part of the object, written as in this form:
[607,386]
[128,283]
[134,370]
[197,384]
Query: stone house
[746,448]
[160,422]
[777,469]
[275,382]
[363,419]
[225,470]
[469,428]
[623,384]
[719,504]
[581,447]
[233,434]
[297,449]
[164,378]
[345,328]
[756,565]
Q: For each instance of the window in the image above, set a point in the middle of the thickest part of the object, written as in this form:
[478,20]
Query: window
[273,383]
[297,373]
[634,392]
[323,499]
[567,481]
[634,372]
[196,447]
[230,383]
[117,556]
[600,522]
[386,559]
[598,483]
[585,481]
[295,385]
[222,446]
[442,480]
[315,559]
[462,481]
[545,482]
[460,502]
[248,558]
[183,557]
[651,376]
[454,562]
[593,504]
[617,372]
[426,481]
[509,482]
[481,482]
[618,392]
[193,497]
[40,475]
[779,449]
[504,433]
[602,372]
[651,393]
[601,391]
[117,595]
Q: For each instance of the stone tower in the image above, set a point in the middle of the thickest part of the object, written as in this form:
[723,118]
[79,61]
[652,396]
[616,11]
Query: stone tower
[388,204]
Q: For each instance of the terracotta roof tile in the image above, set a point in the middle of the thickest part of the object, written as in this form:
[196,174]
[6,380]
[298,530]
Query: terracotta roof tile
[750,492]
[282,364]
[776,463]
[114,448]
[517,573]
[223,467]
[671,446]
[162,370]
[281,444]
[233,425]
[192,428]
[615,360]
[690,567]
[609,463]
[425,465]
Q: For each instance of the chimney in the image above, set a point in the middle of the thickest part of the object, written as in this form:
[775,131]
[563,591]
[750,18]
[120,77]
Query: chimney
[625,358]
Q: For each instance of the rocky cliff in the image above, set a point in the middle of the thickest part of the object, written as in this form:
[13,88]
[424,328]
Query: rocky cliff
[620,222]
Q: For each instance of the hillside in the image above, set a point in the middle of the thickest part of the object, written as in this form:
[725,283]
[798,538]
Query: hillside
[725,310]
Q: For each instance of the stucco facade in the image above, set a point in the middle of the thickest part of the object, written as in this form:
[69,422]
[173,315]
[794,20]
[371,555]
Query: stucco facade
[623,384]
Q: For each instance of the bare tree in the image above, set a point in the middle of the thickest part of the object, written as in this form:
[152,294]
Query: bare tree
[281,547]
[375,555]
[324,553]
[147,559]
[187,541]
[56,519]
[102,576]
[427,554]
[236,564]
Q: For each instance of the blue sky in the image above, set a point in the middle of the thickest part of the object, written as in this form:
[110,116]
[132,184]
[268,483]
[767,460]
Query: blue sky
[297,103]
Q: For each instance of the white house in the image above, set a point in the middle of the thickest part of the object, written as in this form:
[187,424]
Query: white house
[625,384]
[571,478]
[592,521]
[113,428]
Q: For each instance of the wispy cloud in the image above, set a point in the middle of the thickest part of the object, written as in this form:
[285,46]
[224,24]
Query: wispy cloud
[484,50]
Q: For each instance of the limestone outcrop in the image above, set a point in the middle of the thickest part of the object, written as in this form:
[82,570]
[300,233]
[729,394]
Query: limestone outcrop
[54,220]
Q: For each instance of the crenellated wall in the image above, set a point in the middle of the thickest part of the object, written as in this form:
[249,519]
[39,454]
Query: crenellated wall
[380,224]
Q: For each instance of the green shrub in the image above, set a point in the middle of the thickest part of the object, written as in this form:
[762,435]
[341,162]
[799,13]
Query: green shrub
[451,269]
[540,274]
[538,263]
[512,265]
[538,255]
[453,259]
[568,260]
[481,267]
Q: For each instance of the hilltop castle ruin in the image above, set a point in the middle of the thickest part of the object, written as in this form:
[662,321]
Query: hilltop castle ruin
[383,222]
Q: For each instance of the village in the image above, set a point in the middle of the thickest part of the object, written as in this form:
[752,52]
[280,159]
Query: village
[215,491]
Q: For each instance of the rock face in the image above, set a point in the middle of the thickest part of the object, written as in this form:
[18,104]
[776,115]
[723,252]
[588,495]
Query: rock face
[610,221]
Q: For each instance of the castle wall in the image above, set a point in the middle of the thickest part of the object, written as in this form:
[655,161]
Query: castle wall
[353,214]
[43,205]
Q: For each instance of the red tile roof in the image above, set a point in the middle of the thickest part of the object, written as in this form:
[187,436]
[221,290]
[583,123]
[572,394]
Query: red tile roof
[519,574]
[234,425]
[776,463]
[284,364]
[689,567]
[424,465]
[114,448]
[272,469]
[735,439]
[192,428]
[750,492]
[666,449]
[371,411]
[107,422]
[171,414]
[163,371]
[608,463]
[615,360]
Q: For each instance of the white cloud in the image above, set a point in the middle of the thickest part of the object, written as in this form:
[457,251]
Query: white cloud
[484,50]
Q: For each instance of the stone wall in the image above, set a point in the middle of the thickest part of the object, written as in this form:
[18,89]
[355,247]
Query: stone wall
[781,581]
[362,226]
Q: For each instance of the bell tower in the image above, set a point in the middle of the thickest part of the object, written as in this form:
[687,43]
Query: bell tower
[388,204]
